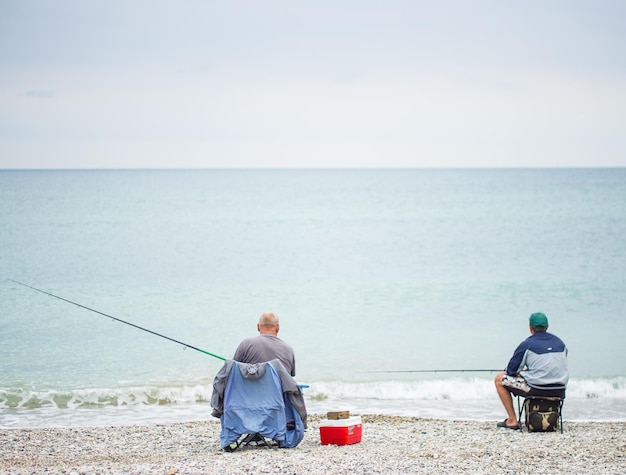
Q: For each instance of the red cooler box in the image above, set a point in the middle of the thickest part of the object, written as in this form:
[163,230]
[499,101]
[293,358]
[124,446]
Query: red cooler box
[341,431]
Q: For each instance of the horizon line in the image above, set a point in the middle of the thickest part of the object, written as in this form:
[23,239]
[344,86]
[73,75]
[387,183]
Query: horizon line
[569,167]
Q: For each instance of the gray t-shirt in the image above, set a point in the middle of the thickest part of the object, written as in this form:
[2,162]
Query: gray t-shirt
[263,348]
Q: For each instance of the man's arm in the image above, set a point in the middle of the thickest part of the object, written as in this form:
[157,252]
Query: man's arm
[517,360]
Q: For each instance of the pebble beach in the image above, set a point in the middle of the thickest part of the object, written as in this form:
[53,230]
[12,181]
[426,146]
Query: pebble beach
[389,445]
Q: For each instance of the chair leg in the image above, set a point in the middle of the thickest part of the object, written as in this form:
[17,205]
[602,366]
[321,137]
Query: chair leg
[520,410]
[255,439]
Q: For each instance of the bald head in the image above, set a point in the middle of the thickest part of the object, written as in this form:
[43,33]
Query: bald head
[268,323]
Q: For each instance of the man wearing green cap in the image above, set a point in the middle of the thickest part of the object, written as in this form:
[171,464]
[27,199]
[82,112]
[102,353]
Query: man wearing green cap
[538,368]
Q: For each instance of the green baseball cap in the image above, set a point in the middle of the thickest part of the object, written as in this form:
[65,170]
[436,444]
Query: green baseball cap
[538,320]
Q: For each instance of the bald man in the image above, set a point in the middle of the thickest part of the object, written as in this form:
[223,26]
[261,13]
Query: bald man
[267,346]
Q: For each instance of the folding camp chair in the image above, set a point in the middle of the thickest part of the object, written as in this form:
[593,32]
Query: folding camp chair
[543,413]
[257,407]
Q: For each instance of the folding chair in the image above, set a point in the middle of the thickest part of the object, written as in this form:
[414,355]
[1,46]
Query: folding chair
[254,404]
[540,412]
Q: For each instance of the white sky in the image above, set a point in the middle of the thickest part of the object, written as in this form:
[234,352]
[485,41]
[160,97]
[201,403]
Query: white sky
[352,83]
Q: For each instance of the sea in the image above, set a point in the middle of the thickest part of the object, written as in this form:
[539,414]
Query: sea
[402,291]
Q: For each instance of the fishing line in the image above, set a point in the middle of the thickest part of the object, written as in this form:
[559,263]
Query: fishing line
[439,371]
[185,345]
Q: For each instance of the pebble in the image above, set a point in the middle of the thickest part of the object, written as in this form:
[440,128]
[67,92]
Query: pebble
[390,445]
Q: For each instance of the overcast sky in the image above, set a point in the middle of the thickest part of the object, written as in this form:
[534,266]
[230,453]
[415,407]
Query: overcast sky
[352,83]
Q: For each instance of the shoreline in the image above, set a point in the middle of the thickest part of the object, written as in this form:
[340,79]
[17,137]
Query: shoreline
[390,444]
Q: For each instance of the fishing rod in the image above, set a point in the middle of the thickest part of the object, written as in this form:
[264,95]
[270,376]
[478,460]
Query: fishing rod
[121,321]
[439,371]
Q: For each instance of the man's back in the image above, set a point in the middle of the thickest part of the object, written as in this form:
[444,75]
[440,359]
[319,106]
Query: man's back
[266,347]
[545,357]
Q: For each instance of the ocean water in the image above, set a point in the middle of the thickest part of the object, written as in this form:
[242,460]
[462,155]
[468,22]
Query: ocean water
[374,274]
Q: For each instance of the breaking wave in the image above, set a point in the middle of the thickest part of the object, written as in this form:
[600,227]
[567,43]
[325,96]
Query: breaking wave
[159,395]
[454,389]
[163,394]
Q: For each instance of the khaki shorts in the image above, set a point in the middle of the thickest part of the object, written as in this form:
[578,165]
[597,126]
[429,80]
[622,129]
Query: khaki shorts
[516,385]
